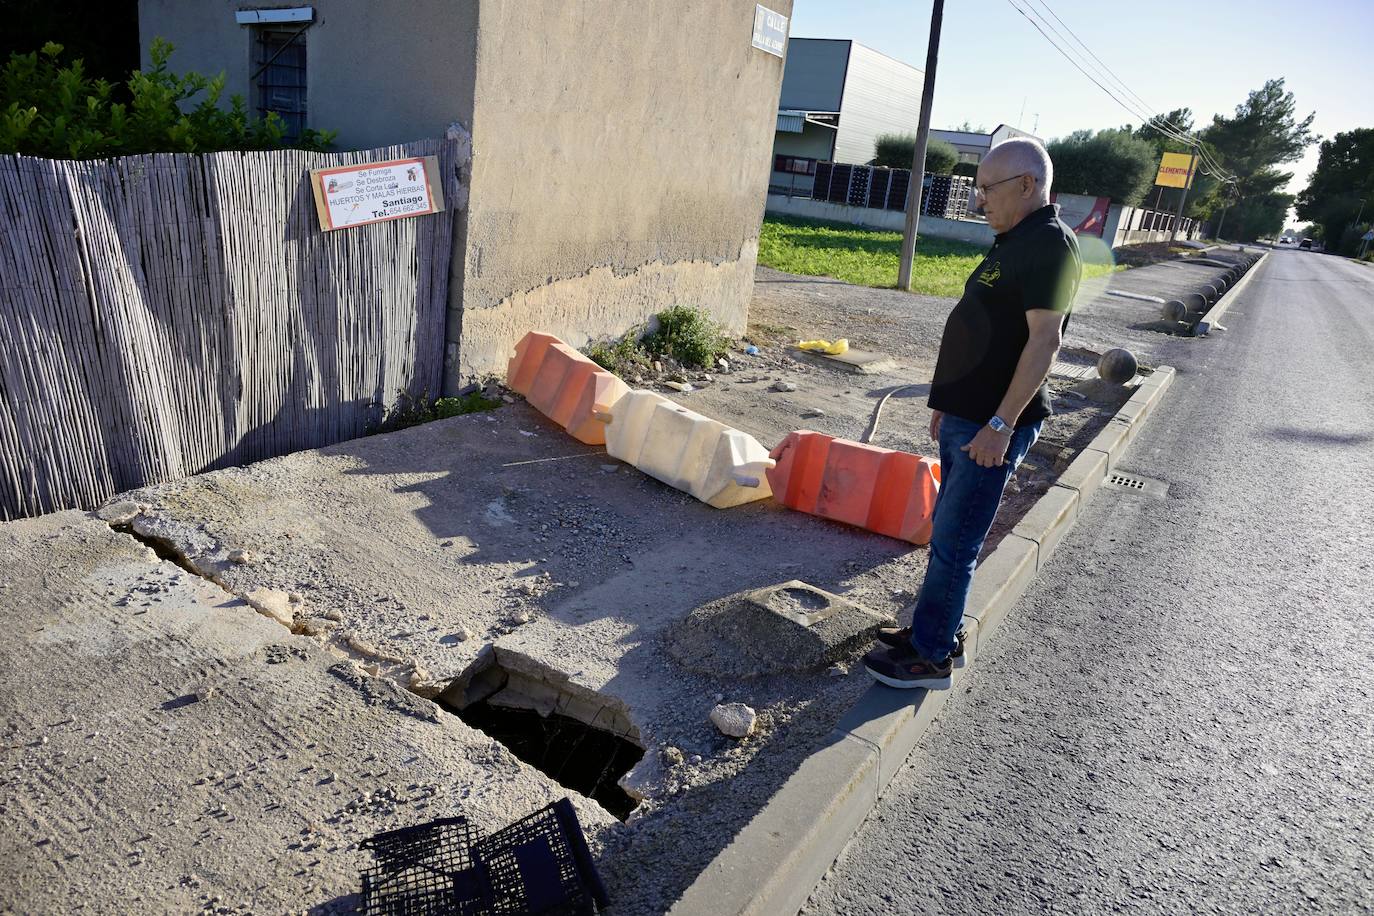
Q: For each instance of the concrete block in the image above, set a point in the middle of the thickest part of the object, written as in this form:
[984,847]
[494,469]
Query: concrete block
[892,721]
[791,626]
[1048,520]
[999,582]
[1135,408]
[1112,440]
[1085,474]
[1160,378]
[1130,428]
[773,864]
[972,644]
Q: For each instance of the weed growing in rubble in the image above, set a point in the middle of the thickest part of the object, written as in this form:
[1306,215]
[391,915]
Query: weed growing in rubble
[682,333]
[624,357]
[410,410]
[689,336]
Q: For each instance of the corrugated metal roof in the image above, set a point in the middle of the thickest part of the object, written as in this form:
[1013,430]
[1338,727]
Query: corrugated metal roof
[791,122]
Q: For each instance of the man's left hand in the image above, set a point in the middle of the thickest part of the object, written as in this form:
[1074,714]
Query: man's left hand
[988,448]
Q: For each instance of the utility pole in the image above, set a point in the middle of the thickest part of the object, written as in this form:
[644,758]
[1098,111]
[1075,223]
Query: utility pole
[918,155]
[1364,243]
[1183,198]
[1226,206]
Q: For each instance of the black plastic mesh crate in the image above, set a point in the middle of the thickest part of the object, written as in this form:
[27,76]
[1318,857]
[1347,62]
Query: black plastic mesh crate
[840,176]
[858,186]
[820,189]
[428,868]
[540,866]
[897,192]
[877,188]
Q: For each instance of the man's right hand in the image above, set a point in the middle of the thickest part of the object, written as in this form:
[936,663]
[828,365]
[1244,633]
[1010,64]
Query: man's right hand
[935,425]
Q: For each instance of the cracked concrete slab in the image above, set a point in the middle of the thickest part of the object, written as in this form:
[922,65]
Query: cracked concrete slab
[492,537]
[167,749]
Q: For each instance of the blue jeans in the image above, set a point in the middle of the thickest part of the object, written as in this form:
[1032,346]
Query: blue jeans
[964,510]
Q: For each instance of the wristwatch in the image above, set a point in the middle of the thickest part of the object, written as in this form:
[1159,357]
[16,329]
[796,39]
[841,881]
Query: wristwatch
[999,425]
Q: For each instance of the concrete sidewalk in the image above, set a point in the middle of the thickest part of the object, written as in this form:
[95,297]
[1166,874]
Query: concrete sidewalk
[166,749]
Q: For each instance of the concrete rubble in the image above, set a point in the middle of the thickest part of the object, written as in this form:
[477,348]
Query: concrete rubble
[736,720]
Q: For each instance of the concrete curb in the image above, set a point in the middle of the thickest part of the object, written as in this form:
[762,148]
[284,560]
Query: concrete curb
[1209,321]
[773,864]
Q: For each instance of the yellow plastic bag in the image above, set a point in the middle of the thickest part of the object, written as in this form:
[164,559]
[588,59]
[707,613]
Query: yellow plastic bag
[824,346]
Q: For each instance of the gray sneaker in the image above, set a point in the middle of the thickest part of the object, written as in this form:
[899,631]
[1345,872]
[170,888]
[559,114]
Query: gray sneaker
[905,670]
[900,638]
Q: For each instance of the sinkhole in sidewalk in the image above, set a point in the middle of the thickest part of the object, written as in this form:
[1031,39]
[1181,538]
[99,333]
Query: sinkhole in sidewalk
[579,739]
[163,549]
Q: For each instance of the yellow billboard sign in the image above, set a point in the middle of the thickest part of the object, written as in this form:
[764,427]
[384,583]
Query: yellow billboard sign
[1175,170]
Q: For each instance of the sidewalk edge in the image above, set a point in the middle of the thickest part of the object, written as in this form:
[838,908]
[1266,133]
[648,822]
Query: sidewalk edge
[1209,321]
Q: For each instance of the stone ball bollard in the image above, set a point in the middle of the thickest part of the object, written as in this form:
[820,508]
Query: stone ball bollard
[1117,365]
[1173,311]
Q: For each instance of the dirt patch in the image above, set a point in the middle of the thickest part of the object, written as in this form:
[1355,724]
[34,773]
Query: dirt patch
[1148,253]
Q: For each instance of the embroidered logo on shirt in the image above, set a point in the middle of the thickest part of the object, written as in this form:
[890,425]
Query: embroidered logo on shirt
[991,275]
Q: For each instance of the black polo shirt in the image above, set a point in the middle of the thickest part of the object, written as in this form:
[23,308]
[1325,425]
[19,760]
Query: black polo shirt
[1033,265]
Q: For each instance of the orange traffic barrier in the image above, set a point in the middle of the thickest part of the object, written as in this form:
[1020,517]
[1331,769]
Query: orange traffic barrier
[886,491]
[570,389]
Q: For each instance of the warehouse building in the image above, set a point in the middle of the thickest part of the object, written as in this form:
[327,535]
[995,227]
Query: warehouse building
[838,97]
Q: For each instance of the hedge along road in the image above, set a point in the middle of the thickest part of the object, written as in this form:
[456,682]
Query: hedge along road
[1177,717]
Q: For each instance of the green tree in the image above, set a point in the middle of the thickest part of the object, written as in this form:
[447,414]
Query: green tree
[1180,120]
[1110,163]
[1202,200]
[1264,133]
[894,151]
[1340,188]
[56,110]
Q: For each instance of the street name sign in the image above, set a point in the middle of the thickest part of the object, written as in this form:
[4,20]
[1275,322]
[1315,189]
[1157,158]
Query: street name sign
[770,30]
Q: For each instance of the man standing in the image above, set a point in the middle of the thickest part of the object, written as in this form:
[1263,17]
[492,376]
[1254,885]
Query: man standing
[989,399]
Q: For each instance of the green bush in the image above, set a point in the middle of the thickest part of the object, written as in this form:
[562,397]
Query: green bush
[894,151]
[1110,163]
[54,110]
[688,335]
[624,357]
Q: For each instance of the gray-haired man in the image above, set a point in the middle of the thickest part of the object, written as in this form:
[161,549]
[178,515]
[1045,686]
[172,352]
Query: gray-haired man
[989,399]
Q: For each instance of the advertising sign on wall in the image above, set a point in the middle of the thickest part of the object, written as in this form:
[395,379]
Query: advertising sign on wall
[1175,170]
[372,192]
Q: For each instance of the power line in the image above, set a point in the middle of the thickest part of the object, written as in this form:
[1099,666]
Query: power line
[1157,121]
[1148,115]
[1108,70]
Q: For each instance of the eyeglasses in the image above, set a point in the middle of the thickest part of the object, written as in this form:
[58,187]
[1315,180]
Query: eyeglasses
[983,189]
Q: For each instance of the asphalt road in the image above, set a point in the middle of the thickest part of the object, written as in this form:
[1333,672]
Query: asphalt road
[1179,716]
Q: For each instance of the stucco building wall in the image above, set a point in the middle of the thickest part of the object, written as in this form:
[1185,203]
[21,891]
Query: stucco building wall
[621,152]
[377,73]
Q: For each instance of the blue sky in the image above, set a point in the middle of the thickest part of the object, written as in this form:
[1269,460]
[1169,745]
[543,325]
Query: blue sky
[1208,57]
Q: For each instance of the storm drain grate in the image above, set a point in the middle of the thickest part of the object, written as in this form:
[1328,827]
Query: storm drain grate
[1134,484]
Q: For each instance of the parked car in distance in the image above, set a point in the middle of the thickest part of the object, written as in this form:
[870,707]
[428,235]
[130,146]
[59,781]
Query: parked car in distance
[1305,243]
